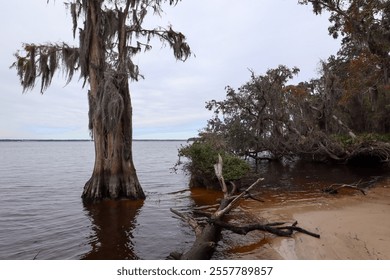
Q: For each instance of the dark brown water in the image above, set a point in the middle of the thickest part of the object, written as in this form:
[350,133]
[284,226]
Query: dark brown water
[43,217]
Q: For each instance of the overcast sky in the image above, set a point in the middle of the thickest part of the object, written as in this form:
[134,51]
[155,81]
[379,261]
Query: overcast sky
[227,37]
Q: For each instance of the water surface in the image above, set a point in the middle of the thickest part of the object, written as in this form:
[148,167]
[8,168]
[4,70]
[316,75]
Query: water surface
[42,215]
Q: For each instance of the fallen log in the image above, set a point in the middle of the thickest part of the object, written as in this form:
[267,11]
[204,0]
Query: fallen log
[207,235]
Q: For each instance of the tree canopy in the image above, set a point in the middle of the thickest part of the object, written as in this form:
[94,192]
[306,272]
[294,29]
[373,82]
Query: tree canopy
[342,116]
[110,33]
[121,28]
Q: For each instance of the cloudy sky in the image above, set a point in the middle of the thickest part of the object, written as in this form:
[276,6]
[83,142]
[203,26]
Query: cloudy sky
[227,37]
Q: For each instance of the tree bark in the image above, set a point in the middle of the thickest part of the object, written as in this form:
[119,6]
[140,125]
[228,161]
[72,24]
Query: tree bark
[114,175]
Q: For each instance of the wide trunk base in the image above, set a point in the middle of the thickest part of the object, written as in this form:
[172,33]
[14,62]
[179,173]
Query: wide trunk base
[103,186]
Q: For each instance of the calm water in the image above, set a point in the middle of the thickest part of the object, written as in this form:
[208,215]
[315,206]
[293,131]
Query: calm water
[42,215]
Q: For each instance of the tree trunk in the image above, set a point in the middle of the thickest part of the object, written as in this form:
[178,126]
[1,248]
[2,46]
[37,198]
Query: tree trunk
[114,175]
[110,116]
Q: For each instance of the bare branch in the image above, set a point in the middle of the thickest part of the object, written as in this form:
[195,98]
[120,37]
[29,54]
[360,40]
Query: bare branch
[334,188]
[192,222]
[230,206]
[274,228]
[218,172]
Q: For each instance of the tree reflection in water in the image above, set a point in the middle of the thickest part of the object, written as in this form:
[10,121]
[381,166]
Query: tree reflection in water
[113,223]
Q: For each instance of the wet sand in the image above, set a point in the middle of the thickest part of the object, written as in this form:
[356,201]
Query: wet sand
[352,226]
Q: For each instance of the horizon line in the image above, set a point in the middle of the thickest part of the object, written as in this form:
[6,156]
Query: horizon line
[80,140]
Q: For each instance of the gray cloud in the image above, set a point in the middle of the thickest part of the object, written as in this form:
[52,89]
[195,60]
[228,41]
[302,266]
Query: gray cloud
[227,37]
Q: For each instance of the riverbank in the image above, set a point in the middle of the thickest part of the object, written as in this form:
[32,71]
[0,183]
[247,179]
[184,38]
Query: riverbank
[352,226]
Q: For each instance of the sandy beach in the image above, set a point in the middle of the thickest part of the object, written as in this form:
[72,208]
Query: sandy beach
[352,226]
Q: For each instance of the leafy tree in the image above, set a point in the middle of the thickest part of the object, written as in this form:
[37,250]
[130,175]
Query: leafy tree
[258,116]
[363,62]
[111,34]
[267,118]
[364,25]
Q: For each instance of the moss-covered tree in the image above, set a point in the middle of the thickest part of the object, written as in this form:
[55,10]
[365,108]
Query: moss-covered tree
[362,65]
[111,34]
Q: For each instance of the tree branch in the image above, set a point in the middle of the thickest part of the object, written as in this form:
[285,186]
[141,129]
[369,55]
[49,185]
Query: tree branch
[274,228]
[334,188]
[230,206]
[191,221]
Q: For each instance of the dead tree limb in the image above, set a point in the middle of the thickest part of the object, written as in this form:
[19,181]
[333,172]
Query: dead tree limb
[334,188]
[208,235]
[199,208]
[219,213]
[251,196]
[218,172]
[275,228]
[191,221]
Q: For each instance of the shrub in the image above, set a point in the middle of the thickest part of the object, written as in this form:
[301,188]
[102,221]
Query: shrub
[202,157]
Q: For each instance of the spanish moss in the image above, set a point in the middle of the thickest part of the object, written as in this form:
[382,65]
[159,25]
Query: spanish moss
[110,35]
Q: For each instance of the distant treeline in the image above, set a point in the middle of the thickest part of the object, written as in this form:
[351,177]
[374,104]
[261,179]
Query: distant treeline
[87,140]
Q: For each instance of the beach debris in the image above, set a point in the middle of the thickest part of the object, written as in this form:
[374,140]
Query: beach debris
[208,231]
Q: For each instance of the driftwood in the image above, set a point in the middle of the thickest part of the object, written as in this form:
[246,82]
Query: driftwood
[279,229]
[208,234]
[334,188]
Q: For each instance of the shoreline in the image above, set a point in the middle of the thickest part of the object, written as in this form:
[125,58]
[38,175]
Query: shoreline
[352,227]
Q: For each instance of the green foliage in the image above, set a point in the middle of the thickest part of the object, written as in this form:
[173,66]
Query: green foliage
[344,140]
[234,167]
[203,156]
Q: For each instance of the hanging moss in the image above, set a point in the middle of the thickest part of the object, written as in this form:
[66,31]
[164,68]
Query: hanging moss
[53,63]
[70,59]
[29,68]
[91,111]
[114,18]
[111,104]
[111,25]
[84,48]
[44,70]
